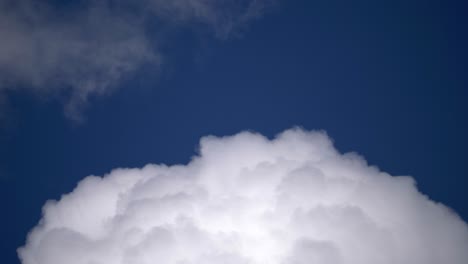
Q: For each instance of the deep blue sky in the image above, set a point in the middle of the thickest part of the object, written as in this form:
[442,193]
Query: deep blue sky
[387,80]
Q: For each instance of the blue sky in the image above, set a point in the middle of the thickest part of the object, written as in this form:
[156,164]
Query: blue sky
[387,80]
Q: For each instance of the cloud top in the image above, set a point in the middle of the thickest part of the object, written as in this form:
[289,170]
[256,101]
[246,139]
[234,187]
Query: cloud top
[247,199]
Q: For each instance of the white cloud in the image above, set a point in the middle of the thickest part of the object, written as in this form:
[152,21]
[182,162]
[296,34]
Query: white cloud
[86,50]
[247,199]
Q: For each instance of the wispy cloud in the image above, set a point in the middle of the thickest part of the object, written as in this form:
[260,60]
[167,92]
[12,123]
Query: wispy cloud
[84,50]
[246,199]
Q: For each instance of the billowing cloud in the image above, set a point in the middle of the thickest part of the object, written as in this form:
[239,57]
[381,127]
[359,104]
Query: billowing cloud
[85,49]
[247,199]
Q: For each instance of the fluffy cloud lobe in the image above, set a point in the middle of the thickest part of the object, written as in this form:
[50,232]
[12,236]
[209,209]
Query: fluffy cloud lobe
[247,199]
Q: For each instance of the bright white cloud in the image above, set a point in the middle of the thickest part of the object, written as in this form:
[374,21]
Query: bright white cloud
[247,199]
[85,50]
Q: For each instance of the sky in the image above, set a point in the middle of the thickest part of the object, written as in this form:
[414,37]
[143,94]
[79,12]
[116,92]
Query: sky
[384,79]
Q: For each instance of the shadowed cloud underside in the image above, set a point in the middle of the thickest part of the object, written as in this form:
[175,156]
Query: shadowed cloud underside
[75,53]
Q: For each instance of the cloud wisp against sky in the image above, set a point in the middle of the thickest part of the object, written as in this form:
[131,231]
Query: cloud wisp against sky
[87,48]
[247,199]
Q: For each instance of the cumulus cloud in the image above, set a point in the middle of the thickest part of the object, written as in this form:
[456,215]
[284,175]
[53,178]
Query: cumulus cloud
[247,199]
[85,49]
